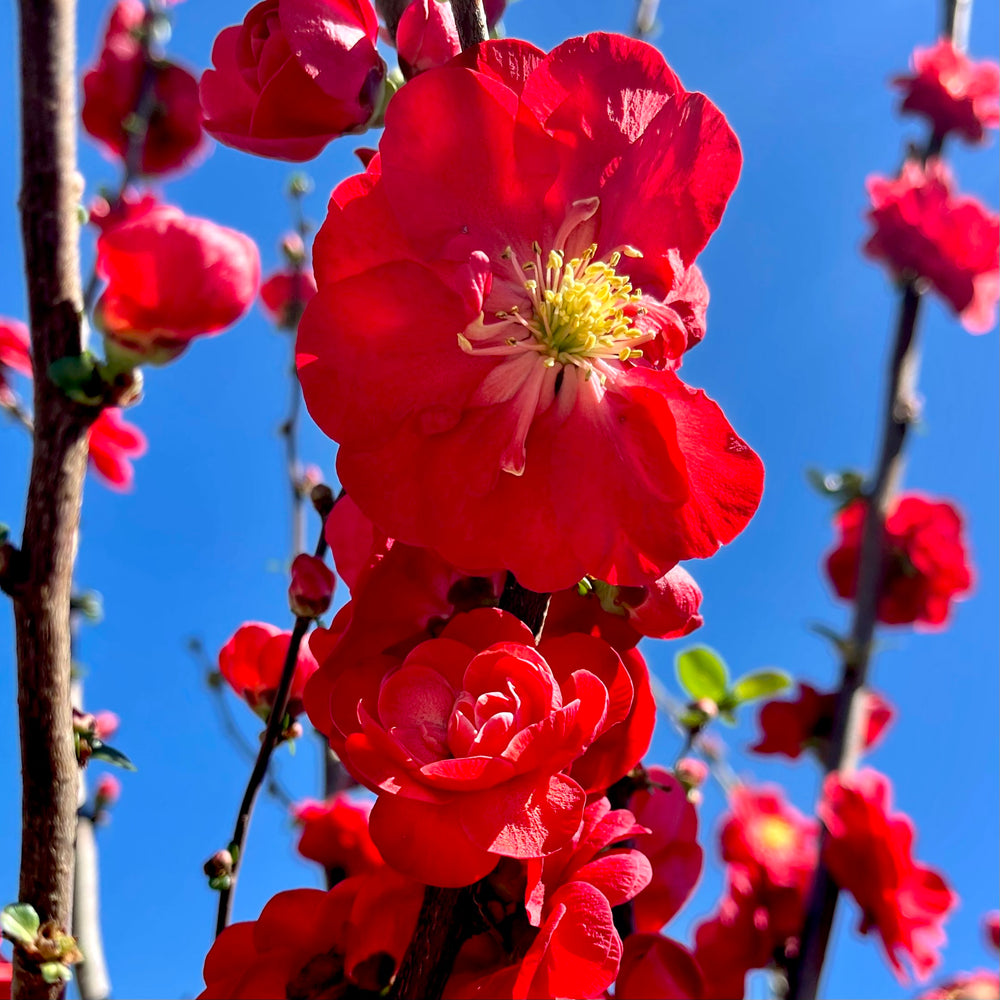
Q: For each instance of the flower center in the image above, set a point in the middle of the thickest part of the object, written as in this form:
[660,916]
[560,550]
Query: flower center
[578,311]
[776,834]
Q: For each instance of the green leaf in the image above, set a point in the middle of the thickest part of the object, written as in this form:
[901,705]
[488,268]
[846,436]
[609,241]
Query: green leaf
[760,684]
[55,972]
[78,378]
[702,673]
[20,923]
[101,751]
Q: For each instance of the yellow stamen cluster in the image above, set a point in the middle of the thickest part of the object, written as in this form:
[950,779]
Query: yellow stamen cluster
[579,307]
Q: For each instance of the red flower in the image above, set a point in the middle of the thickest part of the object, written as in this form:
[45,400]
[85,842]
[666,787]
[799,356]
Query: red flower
[979,985]
[6,976]
[868,853]
[465,742]
[992,924]
[667,608]
[111,442]
[427,36]
[927,560]
[671,846]
[252,661]
[171,278]
[106,724]
[311,943]
[954,93]
[656,968]
[293,76]
[285,294]
[335,834]
[15,355]
[790,727]
[311,589]
[109,790]
[922,228]
[551,436]
[111,93]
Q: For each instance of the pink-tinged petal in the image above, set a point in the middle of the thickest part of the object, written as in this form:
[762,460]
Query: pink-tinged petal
[449,657]
[510,60]
[564,655]
[373,758]
[613,826]
[426,842]
[671,187]
[521,667]
[467,774]
[415,696]
[525,818]
[354,541]
[619,875]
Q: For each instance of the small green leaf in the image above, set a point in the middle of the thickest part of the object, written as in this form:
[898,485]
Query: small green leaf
[20,923]
[101,751]
[760,684]
[55,972]
[220,882]
[702,673]
[78,378]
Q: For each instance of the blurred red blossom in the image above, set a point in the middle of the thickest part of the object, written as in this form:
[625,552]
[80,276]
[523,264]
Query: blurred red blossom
[111,444]
[107,793]
[558,399]
[284,294]
[869,854]
[106,724]
[927,563]
[954,93]
[790,727]
[991,924]
[252,661]
[112,92]
[426,36]
[924,229]
[335,835]
[311,588]
[671,846]
[981,985]
[171,277]
[6,975]
[310,943]
[15,355]
[293,76]
[656,968]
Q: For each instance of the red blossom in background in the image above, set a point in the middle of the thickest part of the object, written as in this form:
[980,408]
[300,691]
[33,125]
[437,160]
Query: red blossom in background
[924,229]
[107,793]
[869,855]
[252,660]
[991,924]
[15,355]
[171,278]
[789,728]
[311,589]
[293,76]
[950,90]
[565,410]
[311,943]
[111,93]
[927,560]
[464,741]
[671,846]
[335,835]
[111,444]
[285,294]
[657,968]
[426,36]
[6,975]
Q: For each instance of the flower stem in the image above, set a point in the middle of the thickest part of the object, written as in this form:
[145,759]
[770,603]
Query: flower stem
[845,745]
[272,734]
[470,19]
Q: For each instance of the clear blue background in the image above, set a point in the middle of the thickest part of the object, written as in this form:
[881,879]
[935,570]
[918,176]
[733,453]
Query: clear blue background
[795,354]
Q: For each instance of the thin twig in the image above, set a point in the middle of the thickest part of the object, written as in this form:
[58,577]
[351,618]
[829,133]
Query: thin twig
[844,748]
[470,19]
[19,415]
[272,734]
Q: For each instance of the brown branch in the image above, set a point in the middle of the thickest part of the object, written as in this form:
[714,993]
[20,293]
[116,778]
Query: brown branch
[272,734]
[51,190]
[845,745]
[470,19]
[530,607]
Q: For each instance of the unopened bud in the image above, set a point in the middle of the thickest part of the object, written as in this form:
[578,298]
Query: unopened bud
[106,725]
[707,707]
[107,793]
[322,499]
[691,773]
[311,589]
[294,249]
[219,864]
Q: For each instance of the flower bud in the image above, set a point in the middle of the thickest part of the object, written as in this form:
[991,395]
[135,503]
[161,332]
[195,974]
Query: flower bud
[105,725]
[311,589]
[220,863]
[427,36]
[108,792]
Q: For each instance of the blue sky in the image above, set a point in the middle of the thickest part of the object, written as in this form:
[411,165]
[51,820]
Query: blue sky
[795,352]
